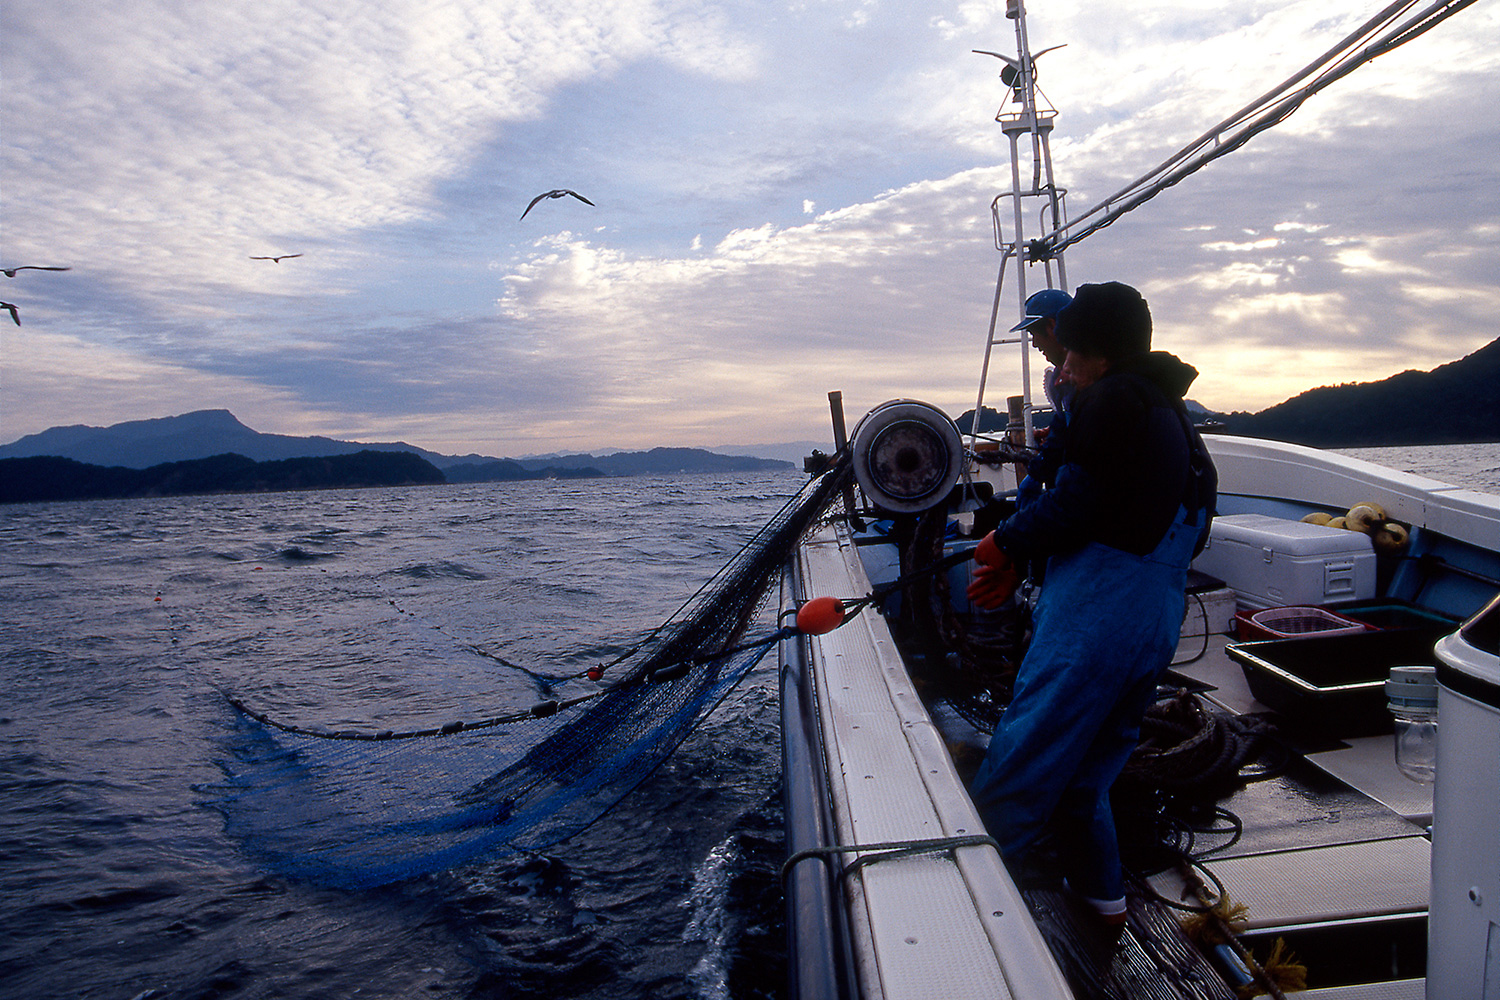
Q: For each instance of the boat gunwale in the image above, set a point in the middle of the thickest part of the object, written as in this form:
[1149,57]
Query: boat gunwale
[1263,468]
[999,914]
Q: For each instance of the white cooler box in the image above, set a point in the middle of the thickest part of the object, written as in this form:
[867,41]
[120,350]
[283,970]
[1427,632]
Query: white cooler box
[1271,562]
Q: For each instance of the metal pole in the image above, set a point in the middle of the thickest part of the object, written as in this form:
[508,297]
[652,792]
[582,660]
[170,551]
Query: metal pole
[840,440]
[989,346]
[1028,108]
[1025,338]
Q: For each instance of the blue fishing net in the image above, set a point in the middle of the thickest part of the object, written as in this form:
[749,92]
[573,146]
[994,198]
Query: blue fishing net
[358,810]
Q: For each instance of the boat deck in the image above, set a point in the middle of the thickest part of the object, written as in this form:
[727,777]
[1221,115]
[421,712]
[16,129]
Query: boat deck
[1333,850]
[1333,847]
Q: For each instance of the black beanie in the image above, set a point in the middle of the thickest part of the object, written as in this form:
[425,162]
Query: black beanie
[1110,319]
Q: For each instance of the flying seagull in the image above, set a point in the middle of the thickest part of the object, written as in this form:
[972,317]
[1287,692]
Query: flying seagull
[12,310]
[10,272]
[278,260]
[555,194]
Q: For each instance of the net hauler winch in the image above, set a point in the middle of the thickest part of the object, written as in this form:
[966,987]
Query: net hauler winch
[907,455]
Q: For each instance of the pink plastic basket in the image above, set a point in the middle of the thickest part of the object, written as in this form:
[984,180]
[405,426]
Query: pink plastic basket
[1293,622]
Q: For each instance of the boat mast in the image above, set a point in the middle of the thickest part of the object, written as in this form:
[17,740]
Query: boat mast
[1032,120]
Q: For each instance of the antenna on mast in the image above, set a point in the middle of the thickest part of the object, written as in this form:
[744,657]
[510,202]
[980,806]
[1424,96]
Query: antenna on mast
[1031,119]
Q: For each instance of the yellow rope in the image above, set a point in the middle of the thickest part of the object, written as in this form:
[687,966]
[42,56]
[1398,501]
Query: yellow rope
[1217,923]
[1282,968]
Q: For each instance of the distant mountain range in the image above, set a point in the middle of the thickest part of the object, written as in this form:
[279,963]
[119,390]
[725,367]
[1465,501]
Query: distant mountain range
[141,444]
[1456,403]
[211,451]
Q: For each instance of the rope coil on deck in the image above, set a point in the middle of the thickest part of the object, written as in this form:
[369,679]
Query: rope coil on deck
[1185,747]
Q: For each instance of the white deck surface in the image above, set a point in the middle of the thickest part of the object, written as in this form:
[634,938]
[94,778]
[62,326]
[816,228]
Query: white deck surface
[1399,989]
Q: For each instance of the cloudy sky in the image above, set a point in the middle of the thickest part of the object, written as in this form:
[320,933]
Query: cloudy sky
[790,197]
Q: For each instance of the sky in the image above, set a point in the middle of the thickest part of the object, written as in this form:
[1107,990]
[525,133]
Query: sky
[789,198]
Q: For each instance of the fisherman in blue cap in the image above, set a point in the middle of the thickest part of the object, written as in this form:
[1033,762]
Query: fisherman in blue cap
[1040,323]
[1128,509]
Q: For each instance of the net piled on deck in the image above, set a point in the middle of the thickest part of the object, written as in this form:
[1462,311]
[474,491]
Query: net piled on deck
[357,810]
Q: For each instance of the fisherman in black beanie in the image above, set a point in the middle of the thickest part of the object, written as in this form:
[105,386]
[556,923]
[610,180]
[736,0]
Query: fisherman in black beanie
[1109,320]
[1128,509]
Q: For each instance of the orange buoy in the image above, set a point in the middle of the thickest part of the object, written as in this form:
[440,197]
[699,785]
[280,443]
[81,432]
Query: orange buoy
[820,615]
[595,673]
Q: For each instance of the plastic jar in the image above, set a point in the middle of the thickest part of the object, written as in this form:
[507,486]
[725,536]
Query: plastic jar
[1412,694]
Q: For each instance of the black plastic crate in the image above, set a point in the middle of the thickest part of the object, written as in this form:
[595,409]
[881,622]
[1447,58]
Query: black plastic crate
[1334,685]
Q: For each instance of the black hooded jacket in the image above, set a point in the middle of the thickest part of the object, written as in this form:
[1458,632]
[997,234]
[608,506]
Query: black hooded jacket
[1129,460]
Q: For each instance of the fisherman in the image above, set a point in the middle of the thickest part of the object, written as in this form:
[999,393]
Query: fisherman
[1128,509]
[1040,323]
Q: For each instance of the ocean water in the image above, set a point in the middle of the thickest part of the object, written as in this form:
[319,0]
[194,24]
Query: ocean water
[123,622]
[1473,466]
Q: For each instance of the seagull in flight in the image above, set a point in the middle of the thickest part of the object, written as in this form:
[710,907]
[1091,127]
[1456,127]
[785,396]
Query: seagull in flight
[12,310]
[555,194]
[10,272]
[278,260]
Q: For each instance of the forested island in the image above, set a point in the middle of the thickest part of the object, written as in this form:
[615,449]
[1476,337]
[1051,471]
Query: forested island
[50,477]
[1456,403]
[46,477]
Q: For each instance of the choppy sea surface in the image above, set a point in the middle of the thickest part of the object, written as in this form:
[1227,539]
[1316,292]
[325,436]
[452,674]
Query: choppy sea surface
[1473,466]
[123,622]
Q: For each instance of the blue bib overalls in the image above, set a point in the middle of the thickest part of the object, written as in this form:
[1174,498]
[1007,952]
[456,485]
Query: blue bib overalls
[1107,625]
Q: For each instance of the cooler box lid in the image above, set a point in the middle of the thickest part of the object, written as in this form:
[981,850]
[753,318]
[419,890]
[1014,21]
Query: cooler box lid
[1289,538]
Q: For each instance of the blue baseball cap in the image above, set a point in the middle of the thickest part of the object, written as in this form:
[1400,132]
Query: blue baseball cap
[1045,304]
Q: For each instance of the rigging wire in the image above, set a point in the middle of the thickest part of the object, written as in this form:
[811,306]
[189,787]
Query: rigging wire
[1267,111]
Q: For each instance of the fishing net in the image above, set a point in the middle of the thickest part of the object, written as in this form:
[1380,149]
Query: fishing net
[356,810]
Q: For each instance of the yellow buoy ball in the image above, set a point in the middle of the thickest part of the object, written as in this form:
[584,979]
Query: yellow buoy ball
[1363,517]
[1390,538]
[1318,517]
[1337,522]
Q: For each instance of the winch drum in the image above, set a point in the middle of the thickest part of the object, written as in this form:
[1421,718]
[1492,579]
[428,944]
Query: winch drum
[908,455]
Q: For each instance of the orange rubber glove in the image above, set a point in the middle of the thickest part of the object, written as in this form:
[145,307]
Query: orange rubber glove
[995,577]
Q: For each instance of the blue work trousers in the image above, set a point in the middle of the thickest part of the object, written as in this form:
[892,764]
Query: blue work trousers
[1107,625]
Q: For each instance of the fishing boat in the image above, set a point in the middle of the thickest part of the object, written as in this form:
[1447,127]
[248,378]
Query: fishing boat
[1312,808]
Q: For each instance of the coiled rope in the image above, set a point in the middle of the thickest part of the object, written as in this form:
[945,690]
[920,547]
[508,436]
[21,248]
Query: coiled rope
[1185,748]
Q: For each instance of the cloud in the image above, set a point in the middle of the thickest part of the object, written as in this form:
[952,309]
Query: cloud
[716,324]
[788,200]
[171,144]
[41,366]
